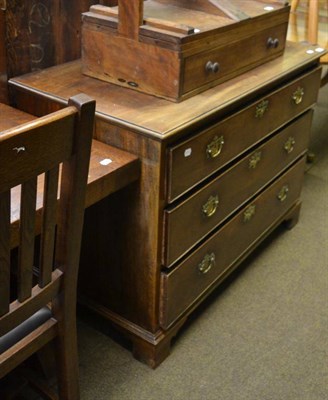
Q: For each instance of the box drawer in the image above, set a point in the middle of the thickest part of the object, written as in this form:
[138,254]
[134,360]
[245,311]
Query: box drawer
[195,159]
[232,59]
[182,286]
[192,219]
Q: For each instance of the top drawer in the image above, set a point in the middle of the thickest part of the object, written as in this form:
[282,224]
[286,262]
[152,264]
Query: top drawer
[195,159]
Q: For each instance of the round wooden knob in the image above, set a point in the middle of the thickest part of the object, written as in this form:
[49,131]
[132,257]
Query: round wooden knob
[272,43]
[212,67]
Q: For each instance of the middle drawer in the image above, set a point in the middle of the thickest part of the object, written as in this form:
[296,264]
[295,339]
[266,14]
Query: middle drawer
[192,219]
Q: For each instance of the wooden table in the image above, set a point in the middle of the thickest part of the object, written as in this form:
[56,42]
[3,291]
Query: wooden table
[110,169]
[219,172]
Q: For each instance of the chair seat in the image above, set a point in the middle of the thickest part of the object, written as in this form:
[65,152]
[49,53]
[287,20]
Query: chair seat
[25,328]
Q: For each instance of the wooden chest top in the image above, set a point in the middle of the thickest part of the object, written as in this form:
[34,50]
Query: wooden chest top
[159,118]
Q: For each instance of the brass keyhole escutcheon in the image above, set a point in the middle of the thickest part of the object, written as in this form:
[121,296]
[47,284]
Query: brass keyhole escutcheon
[249,213]
[289,145]
[207,263]
[298,95]
[261,109]
[283,193]
[214,148]
[210,207]
[255,159]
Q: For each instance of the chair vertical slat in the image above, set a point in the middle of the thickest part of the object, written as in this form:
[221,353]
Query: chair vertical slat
[27,234]
[48,226]
[4,252]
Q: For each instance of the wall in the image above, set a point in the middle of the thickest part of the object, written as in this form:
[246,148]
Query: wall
[36,34]
[3,61]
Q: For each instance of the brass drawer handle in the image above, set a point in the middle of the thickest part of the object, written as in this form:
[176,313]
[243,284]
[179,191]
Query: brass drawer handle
[214,148]
[289,145]
[210,207]
[212,67]
[272,43]
[207,263]
[261,109]
[283,193]
[254,160]
[249,213]
[298,95]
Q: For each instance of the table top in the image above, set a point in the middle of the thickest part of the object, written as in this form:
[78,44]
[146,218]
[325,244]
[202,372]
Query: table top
[119,169]
[154,116]
[11,117]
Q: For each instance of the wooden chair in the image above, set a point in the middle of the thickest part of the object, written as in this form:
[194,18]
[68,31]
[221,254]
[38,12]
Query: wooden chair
[312,27]
[42,305]
[313,13]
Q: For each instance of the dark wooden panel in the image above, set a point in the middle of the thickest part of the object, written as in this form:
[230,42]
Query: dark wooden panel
[42,33]
[3,61]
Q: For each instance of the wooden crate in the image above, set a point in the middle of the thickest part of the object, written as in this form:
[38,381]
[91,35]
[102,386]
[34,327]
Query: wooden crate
[178,48]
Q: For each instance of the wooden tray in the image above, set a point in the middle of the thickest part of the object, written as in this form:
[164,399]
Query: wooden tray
[178,48]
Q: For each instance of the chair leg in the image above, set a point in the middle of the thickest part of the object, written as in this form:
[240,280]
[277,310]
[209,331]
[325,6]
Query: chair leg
[313,21]
[294,5]
[46,358]
[67,362]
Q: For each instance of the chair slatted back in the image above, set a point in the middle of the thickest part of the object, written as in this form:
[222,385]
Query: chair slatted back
[58,146]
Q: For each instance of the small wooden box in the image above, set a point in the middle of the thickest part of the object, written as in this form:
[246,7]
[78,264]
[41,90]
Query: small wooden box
[178,48]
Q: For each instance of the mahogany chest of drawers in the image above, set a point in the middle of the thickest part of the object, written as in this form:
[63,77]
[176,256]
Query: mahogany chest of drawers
[219,172]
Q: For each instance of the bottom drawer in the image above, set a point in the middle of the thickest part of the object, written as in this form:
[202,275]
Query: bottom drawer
[181,287]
